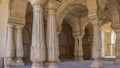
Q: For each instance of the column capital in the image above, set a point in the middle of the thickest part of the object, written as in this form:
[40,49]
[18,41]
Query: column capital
[80,36]
[10,25]
[20,26]
[94,22]
[92,15]
[75,37]
[117,30]
[58,32]
[37,2]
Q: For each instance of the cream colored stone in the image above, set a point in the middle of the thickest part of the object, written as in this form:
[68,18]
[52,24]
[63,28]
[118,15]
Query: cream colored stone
[19,46]
[95,50]
[52,41]
[37,55]
[76,13]
[10,54]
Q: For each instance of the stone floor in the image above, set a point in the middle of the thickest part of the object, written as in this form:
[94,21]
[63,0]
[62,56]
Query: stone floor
[76,64]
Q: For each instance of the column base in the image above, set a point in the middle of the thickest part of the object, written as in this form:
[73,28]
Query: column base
[10,62]
[80,59]
[20,63]
[96,64]
[117,61]
[76,58]
[37,65]
[52,65]
[58,61]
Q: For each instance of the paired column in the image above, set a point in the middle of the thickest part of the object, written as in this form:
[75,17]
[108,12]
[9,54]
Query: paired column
[117,48]
[19,45]
[78,48]
[95,50]
[10,54]
[52,39]
[38,54]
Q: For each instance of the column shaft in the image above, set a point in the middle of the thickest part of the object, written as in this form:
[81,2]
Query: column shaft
[80,49]
[117,48]
[38,54]
[19,46]
[95,51]
[10,54]
[52,37]
[76,48]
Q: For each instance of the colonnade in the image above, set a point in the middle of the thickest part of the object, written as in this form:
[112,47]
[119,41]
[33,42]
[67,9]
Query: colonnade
[38,50]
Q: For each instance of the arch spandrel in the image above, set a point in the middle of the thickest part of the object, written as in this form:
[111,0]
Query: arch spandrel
[18,9]
[67,3]
[114,14]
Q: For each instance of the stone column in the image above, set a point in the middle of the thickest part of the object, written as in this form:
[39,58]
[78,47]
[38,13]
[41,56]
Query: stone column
[19,45]
[76,48]
[117,48]
[95,52]
[80,48]
[10,54]
[58,51]
[38,54]
[52,41]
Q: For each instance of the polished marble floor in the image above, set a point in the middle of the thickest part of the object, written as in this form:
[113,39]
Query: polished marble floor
[75,64]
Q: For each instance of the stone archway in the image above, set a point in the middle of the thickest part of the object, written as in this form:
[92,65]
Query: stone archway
[88,42]
[26,45]
[66,42]
[65,8]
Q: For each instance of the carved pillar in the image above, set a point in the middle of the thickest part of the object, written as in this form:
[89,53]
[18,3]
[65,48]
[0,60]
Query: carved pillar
[52,41]
[19,45]
[10,54]
[76,48]
[95,51]
[38,54]
[117,48]
[80,48]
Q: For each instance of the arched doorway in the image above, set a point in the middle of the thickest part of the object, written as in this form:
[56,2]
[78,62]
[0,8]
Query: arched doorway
[26,45]
[108,38]
[66,42]
[88,42]
[27,34]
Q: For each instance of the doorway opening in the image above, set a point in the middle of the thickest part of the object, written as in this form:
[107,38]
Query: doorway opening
[108,37]
[66,42]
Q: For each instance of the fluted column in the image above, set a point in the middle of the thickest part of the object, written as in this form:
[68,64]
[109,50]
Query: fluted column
[19,46]
[38,54]
[95,51]
[80,48]
[76,48]
[10,54]
[117,48]
[52,41]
